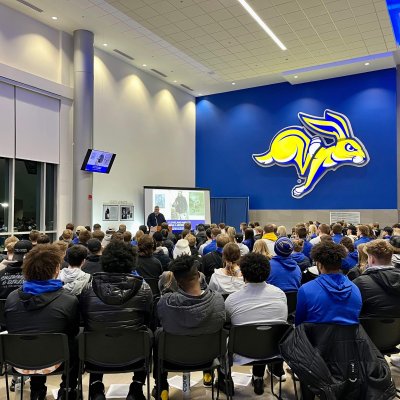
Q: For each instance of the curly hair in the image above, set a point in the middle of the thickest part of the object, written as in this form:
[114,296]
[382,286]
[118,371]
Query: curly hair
[118,257]
[42,262]
[329,255]
[255,267]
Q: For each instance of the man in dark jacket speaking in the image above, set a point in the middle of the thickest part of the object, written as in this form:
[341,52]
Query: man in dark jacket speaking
[155,218]
[190,310]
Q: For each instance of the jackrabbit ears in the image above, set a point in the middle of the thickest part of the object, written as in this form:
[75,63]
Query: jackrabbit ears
[333,125]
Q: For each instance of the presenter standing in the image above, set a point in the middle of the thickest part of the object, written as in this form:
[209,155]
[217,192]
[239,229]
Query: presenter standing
[155,219]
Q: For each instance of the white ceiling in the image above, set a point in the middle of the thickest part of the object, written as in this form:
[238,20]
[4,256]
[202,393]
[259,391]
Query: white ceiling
[208,44]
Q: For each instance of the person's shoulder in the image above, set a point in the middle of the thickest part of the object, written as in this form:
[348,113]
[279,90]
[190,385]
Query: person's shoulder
[67,298]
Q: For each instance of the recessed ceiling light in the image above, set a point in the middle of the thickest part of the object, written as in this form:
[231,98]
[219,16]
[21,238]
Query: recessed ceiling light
[200,94]
[55,18]
[175,81]
[233,83]
[367,63]
[263,25]
[144,65]
[296,76]
[105,44]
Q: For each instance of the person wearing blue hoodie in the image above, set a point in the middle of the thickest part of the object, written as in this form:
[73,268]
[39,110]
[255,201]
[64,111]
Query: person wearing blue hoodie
[363,233]
[285,273]
[337,230]
[331,298]
[351,259]
[302,261]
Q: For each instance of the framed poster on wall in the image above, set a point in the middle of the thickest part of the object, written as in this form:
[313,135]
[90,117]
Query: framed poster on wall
[110,212]
[126,212]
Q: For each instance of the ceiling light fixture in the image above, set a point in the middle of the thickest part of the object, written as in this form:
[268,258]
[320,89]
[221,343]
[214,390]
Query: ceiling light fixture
[144,65]
[296,76]
[175,81]
[263,25]
[4,205]
[233,83]
[367,63]
[55,18]
[105,44]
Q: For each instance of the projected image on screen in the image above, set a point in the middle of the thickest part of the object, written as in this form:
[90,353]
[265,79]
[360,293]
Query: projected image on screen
[179,205]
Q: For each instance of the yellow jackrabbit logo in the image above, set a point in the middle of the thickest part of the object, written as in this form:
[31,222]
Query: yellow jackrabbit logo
[309,149]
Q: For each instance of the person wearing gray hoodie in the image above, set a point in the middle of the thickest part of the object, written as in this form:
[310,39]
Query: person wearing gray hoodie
[73,278]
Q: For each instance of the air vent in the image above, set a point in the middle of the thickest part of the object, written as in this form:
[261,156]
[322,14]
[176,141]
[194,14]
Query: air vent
[159,73]
[187,87]
[121,53]
[25,3]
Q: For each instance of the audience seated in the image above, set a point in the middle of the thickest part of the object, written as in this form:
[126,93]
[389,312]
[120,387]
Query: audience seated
[213,260]
[331,297]
[43,306]
[73,278]
[312,231]
[192,244]
[34,236]
[337,235]
[285,273]
[138,235]
[363,233]
[43,239]
[125,299]
[302,261]
[270,237]
[228,279]
[93,259]
[207,242]
[351,259]
[323,229]
[242,247]
[301,232]
[190,310]
[387,232]
[9,244]
[201,236]
[260,246]
[181,248]
[249,238]
[361,265]
[256,303]
[395,243]
[212,246]
[379,284]
[160,252]
[147,265]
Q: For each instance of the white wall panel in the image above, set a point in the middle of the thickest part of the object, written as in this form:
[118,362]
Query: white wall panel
[7,121]
[37,127]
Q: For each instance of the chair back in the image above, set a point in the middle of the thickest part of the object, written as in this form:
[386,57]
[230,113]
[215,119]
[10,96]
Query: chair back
[153,283]
[2,313]
[34,351]
[256,341]
[117,348]
[191,350]
[291,298]
[384,332]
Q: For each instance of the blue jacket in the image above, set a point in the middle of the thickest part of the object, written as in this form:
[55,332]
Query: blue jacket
[249,243]
[285,273]
[307,248]
[302,261]
[329,299]
[350,261]
[210,247]
[337,238]
[362,240]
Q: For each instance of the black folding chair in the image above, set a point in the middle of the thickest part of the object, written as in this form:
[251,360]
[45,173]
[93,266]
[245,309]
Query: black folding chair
[34,352]
[291,298]
[2,316]
[114,352]
[178,353]
[153,283]
[259,342]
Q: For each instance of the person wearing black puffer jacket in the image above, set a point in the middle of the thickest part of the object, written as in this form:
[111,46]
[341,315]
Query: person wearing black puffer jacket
[379,284]
[117,299]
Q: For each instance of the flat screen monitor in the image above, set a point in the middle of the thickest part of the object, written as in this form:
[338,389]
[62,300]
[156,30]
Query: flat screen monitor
[179,205]
[98,161]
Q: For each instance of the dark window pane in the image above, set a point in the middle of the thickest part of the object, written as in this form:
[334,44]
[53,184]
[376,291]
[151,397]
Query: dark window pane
[50,196]
[27,195]
[4,192]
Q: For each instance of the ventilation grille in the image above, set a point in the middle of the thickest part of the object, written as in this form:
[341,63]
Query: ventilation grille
[159,72]
[187,87]
[121,53]
[25,3]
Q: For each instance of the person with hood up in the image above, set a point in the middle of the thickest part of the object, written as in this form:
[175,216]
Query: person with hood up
[351,259]
[42,306]
[228,279]
[190,310]
[380,282]
[302,261]
[124,298]
[285,273]
[331,298]
[73,278]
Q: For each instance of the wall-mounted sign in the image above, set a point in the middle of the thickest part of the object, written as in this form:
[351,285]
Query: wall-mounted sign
[318,146]
[110,212]
[126,212]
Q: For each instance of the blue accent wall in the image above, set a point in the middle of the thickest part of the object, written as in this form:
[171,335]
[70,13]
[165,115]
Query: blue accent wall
[232,126]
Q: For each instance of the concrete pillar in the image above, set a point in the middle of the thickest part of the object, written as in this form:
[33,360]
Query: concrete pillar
[83,124]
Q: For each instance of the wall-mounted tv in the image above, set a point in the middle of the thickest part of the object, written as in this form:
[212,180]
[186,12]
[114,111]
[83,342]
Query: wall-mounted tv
[98,161]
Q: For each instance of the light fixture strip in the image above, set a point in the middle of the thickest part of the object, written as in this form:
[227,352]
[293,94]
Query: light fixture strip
[263,25]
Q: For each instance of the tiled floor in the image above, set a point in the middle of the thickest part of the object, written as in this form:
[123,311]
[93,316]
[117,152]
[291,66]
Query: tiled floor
[198,392]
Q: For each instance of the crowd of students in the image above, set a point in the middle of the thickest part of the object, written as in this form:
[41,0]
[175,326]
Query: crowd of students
[196,282]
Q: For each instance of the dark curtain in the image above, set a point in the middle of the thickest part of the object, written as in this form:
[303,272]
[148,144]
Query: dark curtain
[231,210]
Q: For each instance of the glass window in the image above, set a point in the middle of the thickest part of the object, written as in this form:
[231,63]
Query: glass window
[27,195]
[4,193]
[50,197]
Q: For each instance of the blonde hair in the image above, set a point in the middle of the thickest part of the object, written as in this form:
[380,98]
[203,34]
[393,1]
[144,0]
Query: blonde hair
[362,257]
[67,234]
[138,235]
[380,249]
[63,246]
[281,231]
[312,229]
[396,232]
[11,239]
[261,247]
[298,245]
[230,257]
[191,239]
[231,232]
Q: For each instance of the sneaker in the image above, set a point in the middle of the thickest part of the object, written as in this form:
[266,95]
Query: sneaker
[207,379]
[96,391]
[135,392]
[163,396]
[12,386]
[258,384]
[39,395]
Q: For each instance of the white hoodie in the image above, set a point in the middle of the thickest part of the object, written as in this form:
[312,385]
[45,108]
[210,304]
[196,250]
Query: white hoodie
[225,284]
[74,279]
